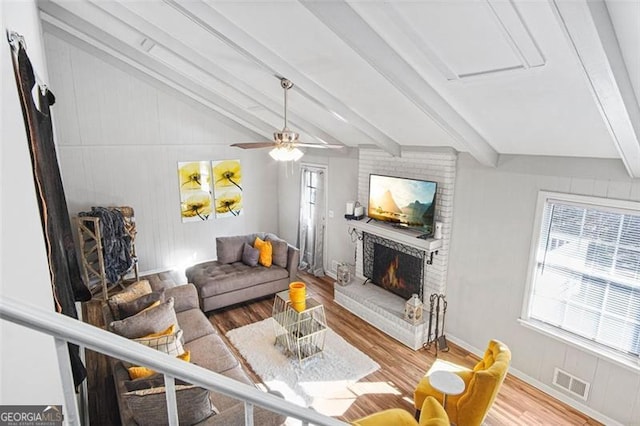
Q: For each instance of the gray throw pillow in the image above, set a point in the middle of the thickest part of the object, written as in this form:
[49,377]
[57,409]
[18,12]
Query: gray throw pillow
[149,406]
[229,249]
[250,255]
[280,251]
[153,320]
[127,309]
[133,291]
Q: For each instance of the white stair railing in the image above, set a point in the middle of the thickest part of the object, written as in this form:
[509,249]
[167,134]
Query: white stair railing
[65,329]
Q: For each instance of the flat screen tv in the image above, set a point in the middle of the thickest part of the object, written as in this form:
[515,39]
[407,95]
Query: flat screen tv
[402,201]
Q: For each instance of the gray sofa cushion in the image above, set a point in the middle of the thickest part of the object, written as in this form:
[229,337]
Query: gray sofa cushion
[280,249]
[185,297]
[126,309]
[210,352]
[141,324]
[229,249]
[223,402]
[250,255]
[149,407]
[194,325]
[214,278]
[132,292]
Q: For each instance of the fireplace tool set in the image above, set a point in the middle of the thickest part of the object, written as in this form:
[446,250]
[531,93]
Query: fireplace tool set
[437,307]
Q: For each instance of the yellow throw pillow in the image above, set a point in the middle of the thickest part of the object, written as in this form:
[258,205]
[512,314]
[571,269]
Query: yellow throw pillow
[142,372]
[170,330]
[266,252]
[185,356]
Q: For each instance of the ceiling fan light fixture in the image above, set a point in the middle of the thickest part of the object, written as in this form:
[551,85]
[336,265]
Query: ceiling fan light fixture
[282,153]
[285,141]
[285,135]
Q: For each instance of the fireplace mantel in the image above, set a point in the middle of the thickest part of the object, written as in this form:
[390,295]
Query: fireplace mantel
[404,236]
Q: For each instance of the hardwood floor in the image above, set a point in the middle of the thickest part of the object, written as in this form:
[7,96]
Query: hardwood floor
[392,386]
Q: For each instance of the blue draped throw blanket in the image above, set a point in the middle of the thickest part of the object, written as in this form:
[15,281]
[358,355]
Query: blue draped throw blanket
[116,242]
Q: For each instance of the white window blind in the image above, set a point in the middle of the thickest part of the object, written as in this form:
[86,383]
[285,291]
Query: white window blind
[587,273]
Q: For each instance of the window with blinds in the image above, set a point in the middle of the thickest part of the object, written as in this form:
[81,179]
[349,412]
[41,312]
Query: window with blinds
[586,278]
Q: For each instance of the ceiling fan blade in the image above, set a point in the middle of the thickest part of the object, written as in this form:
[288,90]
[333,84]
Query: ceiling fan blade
[253,145]
[319,145]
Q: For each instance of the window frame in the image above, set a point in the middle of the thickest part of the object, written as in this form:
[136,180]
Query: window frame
[599,349]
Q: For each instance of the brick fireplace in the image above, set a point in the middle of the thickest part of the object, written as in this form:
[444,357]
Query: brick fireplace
[383,307]
[375,302]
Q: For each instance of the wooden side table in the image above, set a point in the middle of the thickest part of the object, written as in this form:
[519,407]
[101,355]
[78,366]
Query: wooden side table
[448,383]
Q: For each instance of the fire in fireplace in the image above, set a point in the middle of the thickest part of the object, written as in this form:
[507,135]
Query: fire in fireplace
[395,267]
[396,271]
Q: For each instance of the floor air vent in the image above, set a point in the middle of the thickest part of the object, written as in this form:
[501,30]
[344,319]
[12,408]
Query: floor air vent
[570,383]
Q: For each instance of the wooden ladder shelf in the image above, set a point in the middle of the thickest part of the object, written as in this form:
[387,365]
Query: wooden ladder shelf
[92,254]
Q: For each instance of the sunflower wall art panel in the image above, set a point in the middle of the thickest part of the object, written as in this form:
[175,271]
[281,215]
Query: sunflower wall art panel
[227,188]
[195,191]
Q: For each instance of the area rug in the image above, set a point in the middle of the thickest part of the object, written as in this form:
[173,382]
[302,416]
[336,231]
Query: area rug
[324,382]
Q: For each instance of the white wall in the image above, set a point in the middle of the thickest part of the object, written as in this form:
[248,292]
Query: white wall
[491,237]
[342,186]
[121,138]
[28,362]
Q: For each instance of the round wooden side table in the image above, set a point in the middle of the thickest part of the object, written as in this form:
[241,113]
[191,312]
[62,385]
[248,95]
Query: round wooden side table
[447,382]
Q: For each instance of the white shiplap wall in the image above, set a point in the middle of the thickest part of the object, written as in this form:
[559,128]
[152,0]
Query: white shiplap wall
[434,165]
[490,243]
[119,142]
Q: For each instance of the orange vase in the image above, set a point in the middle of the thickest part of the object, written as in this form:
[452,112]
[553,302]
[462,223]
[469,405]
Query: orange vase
[298,295]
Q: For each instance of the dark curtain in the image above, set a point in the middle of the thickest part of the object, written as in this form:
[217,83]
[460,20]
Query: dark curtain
[66,281]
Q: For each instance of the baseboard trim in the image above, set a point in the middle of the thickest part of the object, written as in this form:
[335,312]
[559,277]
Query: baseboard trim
[542,386]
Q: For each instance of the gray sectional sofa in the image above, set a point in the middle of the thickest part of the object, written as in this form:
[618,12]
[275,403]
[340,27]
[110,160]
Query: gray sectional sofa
[208,350]
[228,280]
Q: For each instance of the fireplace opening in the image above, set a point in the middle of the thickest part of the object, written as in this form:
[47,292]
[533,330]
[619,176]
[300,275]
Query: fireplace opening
[395,267]
[396,272]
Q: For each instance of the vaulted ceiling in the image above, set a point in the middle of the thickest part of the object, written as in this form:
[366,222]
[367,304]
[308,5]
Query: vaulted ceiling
[487,77]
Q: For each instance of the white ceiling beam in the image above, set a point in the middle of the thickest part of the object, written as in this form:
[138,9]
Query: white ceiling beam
[347,24]
[214,71]
[68,22]
[142,74]
[590,32]
[207,17]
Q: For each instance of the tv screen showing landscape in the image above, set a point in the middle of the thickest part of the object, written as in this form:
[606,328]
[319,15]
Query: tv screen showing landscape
[404,201]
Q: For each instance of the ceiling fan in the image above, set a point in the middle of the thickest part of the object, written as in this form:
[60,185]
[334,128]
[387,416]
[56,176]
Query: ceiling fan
[285,142]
